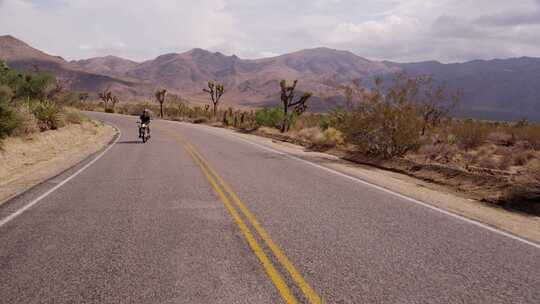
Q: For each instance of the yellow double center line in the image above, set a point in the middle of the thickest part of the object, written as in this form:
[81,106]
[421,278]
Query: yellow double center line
[221,187]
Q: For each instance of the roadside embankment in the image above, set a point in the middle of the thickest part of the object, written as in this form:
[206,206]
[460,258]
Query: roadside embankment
[27,161]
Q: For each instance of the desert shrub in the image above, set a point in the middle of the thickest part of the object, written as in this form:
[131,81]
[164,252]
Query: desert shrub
[109,110]
[269,117]
[333,137]
[31,86]
[307,121]
[392,120]
[73,116]
[383,129]
[501,138]
[328,138]
[171,111]
[487,161]
[313,135]
[137,108]
[438,151]
[8,118]
[48,115]
[521,158]
[529,133]
[333,119]
[200,120]
[533,171]
[27,123]
[470,134]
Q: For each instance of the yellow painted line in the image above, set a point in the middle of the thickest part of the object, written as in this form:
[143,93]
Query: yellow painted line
[282,258]
[265,261]
[278,253]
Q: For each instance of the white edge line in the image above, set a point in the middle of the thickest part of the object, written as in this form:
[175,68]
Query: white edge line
[410,199]
[38,199]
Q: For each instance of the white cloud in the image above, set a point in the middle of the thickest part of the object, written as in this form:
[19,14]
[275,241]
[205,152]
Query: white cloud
[268,54]
[401,30]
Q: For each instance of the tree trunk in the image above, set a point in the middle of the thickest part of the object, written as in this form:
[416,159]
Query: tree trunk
[285,124]
[161,109]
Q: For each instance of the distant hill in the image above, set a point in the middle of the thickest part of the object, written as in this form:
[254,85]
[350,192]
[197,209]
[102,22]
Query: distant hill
[108,65]
[23,57]
[498,89]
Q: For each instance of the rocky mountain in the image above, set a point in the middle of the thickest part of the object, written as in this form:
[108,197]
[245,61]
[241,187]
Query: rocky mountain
[108,65]
[23,57]
[500,88]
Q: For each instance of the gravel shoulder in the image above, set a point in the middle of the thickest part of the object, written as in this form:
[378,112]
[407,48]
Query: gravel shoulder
[26,162]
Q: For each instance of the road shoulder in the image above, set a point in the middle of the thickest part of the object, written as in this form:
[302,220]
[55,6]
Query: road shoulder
[27,162]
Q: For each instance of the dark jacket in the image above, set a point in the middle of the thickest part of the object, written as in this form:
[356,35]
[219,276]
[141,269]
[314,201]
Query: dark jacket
[145,119]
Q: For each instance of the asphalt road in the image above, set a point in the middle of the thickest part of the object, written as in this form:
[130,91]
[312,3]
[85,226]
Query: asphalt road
[194,216]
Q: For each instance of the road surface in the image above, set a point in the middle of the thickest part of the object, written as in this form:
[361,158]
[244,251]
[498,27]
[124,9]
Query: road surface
[197,216]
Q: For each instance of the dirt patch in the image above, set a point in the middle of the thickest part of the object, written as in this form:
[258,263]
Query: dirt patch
[25,162]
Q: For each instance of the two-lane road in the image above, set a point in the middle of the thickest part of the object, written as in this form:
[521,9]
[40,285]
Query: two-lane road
[197,216]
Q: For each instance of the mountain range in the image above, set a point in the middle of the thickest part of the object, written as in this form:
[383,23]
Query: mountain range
[505,89]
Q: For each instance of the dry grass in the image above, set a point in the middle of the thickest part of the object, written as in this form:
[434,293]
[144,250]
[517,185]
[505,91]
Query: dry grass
[25,161]
[74,116]
[28,123]
[327,138]
[470,134]
[533,171]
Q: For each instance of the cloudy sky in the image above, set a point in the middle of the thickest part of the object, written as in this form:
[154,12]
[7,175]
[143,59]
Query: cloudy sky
[399,30]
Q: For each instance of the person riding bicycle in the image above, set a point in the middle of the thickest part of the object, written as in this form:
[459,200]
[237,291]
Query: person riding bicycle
[145,119]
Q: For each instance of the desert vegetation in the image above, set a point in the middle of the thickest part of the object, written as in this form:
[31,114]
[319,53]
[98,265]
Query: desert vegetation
[109,100]
[33,102]
[216,91]
[287,98]
[404,125]
[160,97]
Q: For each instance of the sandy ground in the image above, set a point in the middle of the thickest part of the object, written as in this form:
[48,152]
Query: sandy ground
[440,196]
[25,162]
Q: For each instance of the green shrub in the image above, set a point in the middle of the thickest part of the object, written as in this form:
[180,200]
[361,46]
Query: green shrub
[109,110]
[48,115]
[333,119]
[25,86]
[269,117]
[384,129]
[8,119]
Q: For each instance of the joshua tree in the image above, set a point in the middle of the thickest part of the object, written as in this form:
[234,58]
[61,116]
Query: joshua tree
[83,97]
[215,90]
[287,97]
[160,97]
[115,100]
[58,88]
[107,96]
